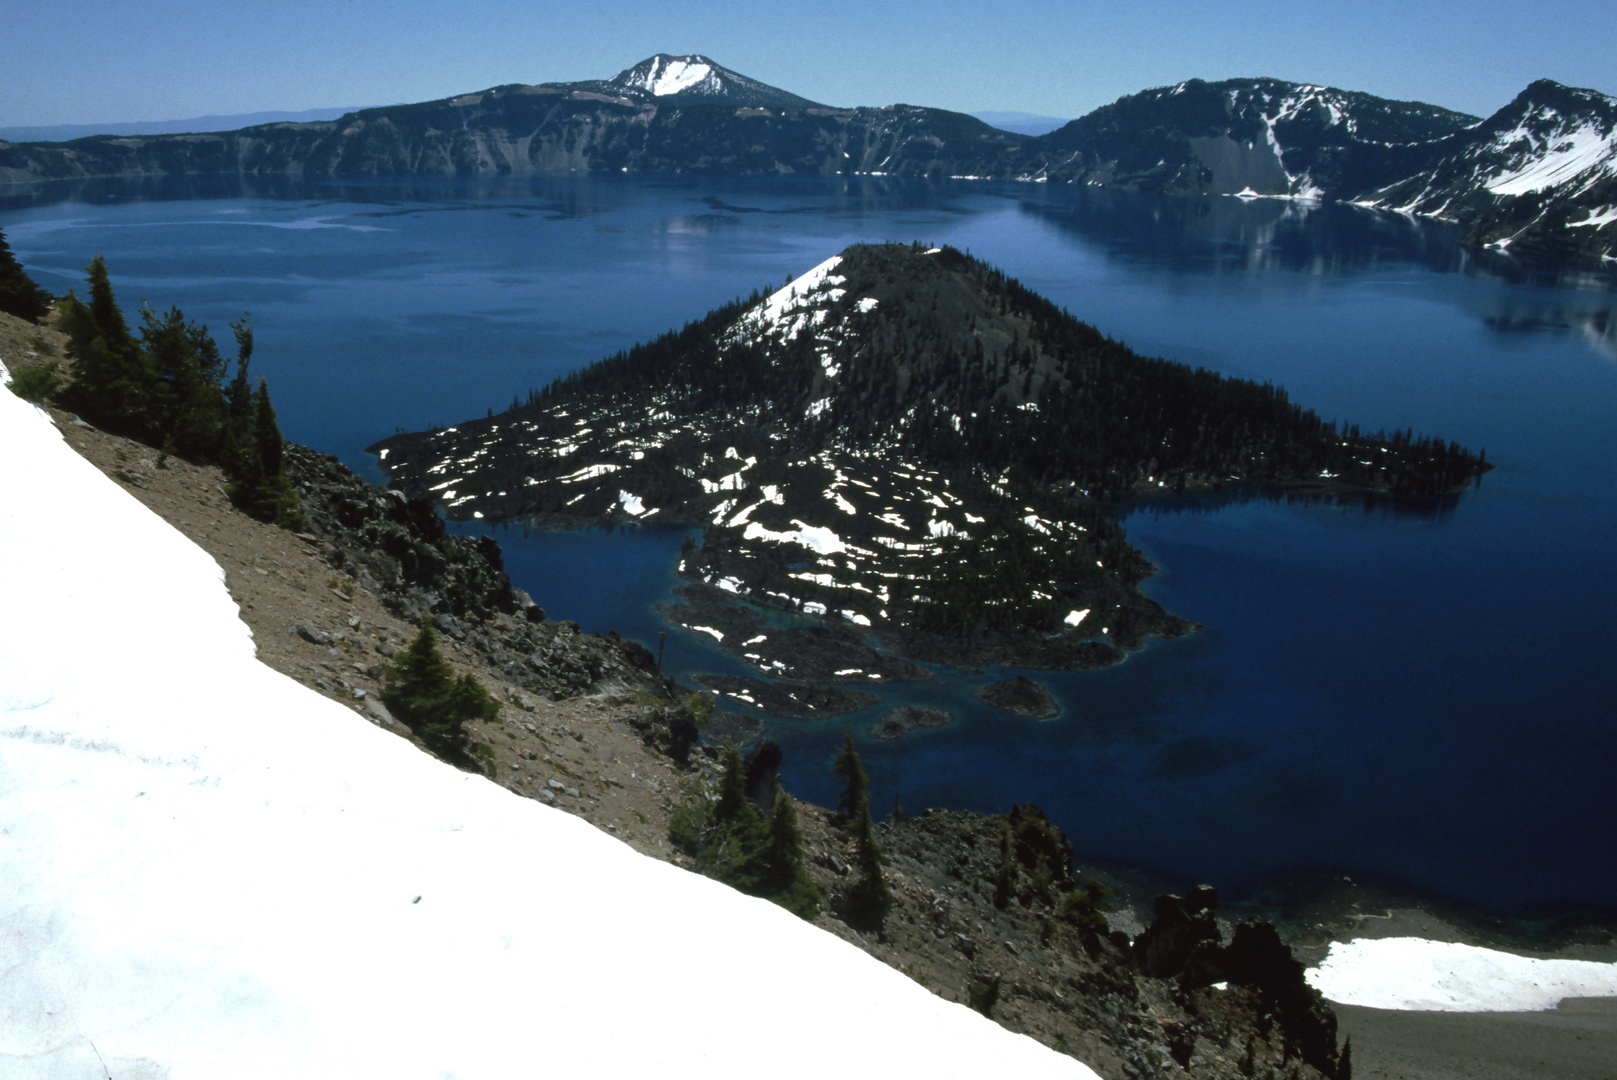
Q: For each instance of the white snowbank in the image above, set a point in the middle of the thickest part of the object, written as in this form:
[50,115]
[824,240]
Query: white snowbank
[1563,157]
[669,75]
[211,871]
[776,306]
[1413,973]
[815,537]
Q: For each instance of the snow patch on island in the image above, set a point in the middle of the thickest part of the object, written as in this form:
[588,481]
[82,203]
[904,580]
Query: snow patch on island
[815,537]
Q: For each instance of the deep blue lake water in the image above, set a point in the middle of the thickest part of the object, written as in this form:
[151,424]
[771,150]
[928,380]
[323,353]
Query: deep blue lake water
[1421,693]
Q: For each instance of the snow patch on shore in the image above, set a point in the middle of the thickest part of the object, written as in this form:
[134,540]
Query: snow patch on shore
[1441,976]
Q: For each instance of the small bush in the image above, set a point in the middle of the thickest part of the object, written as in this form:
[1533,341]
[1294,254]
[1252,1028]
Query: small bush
[983,996]
[38,383]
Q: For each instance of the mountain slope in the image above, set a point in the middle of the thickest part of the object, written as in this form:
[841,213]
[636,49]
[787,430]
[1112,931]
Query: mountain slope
[1264,135]
[904,440]
[665,114]
[1541,173]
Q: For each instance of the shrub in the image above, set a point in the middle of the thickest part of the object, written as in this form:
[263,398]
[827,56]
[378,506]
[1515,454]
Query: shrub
[37,382]
[422,691]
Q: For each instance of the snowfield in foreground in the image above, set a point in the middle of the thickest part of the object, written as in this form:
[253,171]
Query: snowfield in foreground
[1441,976]
[209,871]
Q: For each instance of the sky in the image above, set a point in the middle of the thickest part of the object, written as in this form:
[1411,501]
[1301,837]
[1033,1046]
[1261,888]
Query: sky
[100,61]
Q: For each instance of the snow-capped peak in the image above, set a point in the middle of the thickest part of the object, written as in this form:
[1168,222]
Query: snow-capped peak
[663,75]
[695,80]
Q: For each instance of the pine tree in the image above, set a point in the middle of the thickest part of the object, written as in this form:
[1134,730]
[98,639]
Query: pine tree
[788,881]
[261,488]
[868,898]
[855,797]
[19,295]
[732,805]
[422,691]
[110,383]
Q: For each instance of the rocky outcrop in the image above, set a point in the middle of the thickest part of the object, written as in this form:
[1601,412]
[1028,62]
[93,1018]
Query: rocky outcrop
[399,550]
[1184,943]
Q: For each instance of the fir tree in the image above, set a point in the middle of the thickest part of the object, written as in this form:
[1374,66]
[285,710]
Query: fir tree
[19,295]
[422,691]
[261,488]
[788,881]
[732,805]
[110,384]
[855,797]
[868,898]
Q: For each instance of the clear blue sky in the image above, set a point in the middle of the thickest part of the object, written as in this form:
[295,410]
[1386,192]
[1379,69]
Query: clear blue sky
[95,61]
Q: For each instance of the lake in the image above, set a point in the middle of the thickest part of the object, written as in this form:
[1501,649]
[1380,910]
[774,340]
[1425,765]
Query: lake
[1418,692]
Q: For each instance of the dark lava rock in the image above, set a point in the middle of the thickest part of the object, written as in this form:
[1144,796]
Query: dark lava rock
[901,721]
[1022,696]
[1164,948]
[312,636]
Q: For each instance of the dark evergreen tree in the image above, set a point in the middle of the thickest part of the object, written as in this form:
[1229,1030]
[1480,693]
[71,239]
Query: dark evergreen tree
[855,798]
[868,899]
[167,390]
[110,382]
[239,396]
[423,692]
[261,488]
[19,295]
[788,882]
[732,805]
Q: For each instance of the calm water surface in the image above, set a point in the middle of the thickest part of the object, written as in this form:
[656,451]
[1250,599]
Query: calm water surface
[1420,692]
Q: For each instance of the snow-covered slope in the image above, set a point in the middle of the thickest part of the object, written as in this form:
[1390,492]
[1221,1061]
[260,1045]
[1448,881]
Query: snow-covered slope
[698,80]
[208,871]
[1544,164]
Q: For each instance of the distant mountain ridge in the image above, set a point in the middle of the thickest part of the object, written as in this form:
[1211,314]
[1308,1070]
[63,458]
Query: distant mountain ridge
[1540,174]
[232,122]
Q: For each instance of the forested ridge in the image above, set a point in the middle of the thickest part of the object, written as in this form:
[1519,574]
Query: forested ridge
[984,375]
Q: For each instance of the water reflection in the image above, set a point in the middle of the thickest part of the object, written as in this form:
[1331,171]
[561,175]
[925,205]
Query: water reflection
[1366,504]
